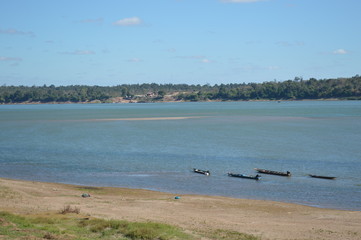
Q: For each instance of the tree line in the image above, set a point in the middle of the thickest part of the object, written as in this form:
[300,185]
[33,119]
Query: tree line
[296,89]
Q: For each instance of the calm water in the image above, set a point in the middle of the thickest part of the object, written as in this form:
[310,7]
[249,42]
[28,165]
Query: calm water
[77,144]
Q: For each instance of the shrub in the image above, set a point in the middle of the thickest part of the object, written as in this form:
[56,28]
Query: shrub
[69,209]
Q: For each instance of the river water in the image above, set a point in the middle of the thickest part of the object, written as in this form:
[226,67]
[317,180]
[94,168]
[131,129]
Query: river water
[156,145]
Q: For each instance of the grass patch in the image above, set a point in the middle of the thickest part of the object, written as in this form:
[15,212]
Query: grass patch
[91,189]
[58,226]
[133,230]
[15,227]
[77,227]
[221,234]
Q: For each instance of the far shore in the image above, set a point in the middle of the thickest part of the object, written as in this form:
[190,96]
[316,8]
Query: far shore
[265,219]
[122,101]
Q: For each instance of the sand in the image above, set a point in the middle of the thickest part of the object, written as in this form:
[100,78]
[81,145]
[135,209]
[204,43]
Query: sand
[266,219]
[142,119]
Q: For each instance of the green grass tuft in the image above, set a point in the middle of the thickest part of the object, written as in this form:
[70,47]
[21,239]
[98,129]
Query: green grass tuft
[71,227]
[134,230]
[77,227]
[221,234]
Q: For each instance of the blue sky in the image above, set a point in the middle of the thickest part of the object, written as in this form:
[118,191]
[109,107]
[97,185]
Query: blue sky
[111,42]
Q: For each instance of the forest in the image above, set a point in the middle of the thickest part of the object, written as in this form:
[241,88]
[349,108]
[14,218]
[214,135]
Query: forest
[296,89]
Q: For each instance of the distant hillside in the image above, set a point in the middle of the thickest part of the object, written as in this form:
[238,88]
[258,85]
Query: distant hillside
[297,89]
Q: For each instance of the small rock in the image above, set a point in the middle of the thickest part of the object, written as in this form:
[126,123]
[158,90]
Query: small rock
[85,195]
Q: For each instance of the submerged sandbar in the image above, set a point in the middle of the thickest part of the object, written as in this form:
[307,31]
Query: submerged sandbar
[143,119]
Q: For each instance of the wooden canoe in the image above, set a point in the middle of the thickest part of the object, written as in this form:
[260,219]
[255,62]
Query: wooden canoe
[257,177]
[323,177]
[205,172]
[264,171]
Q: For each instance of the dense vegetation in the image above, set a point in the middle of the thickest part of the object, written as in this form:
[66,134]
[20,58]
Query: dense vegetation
[341,88]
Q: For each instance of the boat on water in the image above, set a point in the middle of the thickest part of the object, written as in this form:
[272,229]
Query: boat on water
[257,177]
[265,171]
[205,172]
[323,177]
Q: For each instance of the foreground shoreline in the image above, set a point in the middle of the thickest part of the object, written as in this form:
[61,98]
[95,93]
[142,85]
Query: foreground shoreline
[266,219]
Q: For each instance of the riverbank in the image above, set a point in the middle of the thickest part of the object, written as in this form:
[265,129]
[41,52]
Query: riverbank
[120,100]
[266,219]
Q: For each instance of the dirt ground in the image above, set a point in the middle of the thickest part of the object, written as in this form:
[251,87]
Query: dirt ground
[266,219]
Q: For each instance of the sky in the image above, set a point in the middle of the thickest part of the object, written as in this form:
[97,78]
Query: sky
[114,42]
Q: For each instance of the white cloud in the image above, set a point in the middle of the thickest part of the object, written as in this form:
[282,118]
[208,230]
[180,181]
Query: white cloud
[128,21]
[340,51]
[240,1]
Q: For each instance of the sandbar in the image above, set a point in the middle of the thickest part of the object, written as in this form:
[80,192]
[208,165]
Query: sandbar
[130,119]
[143,119]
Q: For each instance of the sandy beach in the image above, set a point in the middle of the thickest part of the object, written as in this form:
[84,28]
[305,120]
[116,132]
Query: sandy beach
[265,219]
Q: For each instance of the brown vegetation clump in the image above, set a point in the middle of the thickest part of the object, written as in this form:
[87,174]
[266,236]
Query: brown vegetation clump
[69,209]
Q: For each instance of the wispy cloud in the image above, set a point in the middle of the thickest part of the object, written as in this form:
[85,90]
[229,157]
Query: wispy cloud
[200,58]
[340,51]
[10,59]
[13,61]
[135,60]
[11,31]
[79,52]
[240,1]
[252,42]
[206,60]
[128,21]
[290,44]
[97,20]
[191,57]
[272,68]
[251,67]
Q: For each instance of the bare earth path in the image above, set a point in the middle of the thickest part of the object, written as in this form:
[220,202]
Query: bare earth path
[266,219]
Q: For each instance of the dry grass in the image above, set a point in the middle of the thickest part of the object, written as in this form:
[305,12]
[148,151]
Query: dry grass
[69,209]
